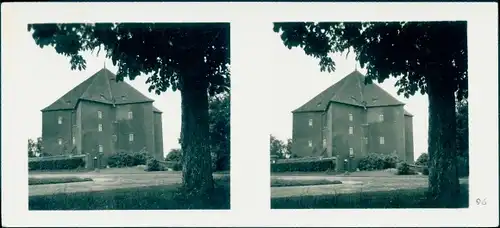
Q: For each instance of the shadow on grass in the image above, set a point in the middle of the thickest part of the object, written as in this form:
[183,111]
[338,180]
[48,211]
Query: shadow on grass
[168,197]
[289,183]
[411,198]
[56,180]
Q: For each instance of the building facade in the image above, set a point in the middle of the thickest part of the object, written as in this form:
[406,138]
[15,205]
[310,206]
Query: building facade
[100,117]
[351,119]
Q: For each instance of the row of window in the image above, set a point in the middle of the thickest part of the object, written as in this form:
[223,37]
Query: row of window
[380,118]
[365,140]
[99,116]
[114,138]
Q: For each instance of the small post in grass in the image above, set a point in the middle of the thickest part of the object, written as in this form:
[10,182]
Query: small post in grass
[96,167]
[346,166]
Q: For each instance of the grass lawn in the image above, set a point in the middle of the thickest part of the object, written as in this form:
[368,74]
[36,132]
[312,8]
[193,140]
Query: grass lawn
[412,198]
[288,183]
[142,198]
[56,180]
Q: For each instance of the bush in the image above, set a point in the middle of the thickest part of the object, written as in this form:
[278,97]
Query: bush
[177,166]
[140,158]
[153,165]
[371,162]
[120,159]
[127,159]
[390,161]
[423,160]
[462,165]
[404,169]
[174,155]
[307,166]
[375,161]
[174,165]
[60,164]
[425,171]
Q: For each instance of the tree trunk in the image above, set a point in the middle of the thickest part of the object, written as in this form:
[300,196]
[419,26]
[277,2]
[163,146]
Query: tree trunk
[196,169]
[443,179]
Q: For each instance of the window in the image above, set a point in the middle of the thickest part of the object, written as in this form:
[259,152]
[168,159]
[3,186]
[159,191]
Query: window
[382,140]
[59,120]
[310,143]
[114,138]
[73,140]
[100,127]
[101,149]
[99,114]
[381,118]
[365,139]
[351,130]
[130,115]
[59,141]
[130,137]
[324,143]
[350,116]
[351,152]
[310,122]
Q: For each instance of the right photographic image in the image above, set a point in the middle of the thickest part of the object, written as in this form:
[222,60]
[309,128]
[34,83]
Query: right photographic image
[370,115]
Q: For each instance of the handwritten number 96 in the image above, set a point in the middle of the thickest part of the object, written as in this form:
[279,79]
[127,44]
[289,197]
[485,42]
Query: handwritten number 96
[480,201]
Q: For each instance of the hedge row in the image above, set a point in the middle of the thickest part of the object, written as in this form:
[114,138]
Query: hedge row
[306,166]
[69,163]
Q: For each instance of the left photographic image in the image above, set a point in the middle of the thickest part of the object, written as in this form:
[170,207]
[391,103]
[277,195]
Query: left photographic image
[129,116]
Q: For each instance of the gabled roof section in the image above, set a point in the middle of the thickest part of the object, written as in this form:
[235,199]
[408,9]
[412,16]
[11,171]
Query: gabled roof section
[156,110]
[101,87]
[408,114]
[350,90]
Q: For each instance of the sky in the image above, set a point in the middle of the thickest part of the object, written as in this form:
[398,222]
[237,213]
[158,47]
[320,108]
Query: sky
[296,79]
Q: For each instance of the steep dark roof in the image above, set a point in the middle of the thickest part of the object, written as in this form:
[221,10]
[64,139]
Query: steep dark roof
[101,87]
[350,90]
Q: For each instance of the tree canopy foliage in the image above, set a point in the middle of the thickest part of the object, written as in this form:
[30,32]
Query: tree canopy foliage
[428,57]
[160,50]
[276,146]
[279,148]
[219,113]
[31,148]
[463,128]
[35,148]
[405,50]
